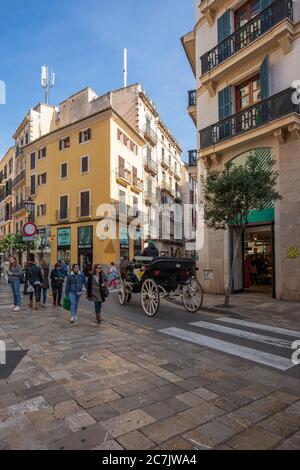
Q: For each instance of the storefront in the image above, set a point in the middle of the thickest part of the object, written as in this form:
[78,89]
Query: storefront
[64,245]
[85,248]
[258,259]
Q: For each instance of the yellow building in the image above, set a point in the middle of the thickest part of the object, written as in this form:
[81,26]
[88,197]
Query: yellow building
[6,193]
[73,170]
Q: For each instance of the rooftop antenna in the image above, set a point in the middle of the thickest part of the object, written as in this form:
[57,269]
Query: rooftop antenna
[125,68]
[47,81]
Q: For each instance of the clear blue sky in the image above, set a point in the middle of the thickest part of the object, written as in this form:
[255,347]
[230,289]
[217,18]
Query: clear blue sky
[83,41]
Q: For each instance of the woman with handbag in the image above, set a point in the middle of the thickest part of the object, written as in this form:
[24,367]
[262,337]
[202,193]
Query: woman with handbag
[15,275]
[97,290]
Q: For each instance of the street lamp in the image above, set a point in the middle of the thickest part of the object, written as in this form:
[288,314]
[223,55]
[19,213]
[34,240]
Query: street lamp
[29,206]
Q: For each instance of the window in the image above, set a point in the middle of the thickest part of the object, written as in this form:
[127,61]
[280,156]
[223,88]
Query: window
[26,138]
[32,184]
[84,165]
[10,166]
[247,12]
[121,167]
[64,143]
[42,153]
[32,161]
[85,136]
[41,210]
[248,93]
[42,179]
[63,207]
[85,204]
[64,170]
[122,202]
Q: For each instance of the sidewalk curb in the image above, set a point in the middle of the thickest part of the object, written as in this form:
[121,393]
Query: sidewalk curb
[225,311]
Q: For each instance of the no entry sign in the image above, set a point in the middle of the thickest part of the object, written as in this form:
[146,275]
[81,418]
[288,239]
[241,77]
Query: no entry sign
[29,229]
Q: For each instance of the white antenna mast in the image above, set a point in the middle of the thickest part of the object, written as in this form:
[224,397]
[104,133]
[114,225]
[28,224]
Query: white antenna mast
[47,81]
[125,68]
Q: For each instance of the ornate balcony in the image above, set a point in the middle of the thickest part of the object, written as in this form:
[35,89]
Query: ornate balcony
[123,176]
[137,185]
[19,179]
[20,207]
[150,198]
[167,187]
[164,161]
[278,109]
[270,29]
[150,165]
[150,135]
[192,105]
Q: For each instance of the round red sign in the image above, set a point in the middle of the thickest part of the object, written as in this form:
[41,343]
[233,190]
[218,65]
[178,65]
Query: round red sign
[30,229]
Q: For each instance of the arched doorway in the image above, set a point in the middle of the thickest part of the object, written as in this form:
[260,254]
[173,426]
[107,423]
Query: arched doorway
[256,270]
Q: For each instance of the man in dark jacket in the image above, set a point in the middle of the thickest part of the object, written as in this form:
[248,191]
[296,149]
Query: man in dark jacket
[34,279]
[151,251]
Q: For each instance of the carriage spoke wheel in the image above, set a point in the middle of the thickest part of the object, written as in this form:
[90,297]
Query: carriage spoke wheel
[150,297]
[192,296]
[122,293]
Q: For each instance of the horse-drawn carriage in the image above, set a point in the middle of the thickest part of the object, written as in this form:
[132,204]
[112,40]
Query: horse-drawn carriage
[161,278]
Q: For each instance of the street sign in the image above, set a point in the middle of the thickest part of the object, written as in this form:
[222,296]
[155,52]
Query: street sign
[29,229]
[29,239]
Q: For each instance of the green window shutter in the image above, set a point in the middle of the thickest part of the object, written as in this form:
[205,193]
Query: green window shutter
[265,78]
[224,26]
[225,103]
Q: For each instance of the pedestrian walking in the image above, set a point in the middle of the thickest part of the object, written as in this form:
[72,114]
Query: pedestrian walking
[95,290]
[15,275]
[74,287]
[45,284]
[35,279]
[112,276]
[5,269]
[57,281]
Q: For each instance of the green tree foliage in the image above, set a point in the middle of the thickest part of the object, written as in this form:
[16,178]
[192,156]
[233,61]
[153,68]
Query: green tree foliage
[228,197]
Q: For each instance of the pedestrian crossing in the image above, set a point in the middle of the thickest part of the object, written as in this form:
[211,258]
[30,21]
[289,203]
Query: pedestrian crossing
[265,340]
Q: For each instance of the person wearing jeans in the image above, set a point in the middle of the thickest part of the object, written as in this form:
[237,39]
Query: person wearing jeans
[74,287]
[45,285]
[57,281]
[35,279]
[15,274]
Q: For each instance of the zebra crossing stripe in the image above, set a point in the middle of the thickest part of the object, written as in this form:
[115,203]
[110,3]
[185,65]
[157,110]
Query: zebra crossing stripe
[260,357]
[280,343]
[259,326]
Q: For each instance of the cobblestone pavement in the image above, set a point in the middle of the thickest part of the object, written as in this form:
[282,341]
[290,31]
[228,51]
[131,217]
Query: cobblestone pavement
[127,386]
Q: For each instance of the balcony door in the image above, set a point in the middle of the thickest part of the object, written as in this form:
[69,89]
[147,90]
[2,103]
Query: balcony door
[243,16]
[121,167]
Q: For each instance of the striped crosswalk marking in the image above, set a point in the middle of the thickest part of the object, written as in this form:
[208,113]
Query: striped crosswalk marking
[260,326]
[280,343]
[250,354]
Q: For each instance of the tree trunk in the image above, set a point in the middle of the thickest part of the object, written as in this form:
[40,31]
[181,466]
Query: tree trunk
[235,258]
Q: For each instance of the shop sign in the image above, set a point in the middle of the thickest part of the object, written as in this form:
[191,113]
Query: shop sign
[64,238]
[85,238]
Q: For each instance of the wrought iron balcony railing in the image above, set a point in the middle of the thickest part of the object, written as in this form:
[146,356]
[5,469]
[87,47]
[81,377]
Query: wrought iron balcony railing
[150,135]
[84,212]
[19,178]
[260,24]
[18,207]
[63,215]
[275,107]
[150,197]
[150,165]
[192,98]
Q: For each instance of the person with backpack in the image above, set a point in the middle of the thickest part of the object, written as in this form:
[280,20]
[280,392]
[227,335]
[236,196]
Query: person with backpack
[35,280]
[57,281]
[15,275]
[74,288]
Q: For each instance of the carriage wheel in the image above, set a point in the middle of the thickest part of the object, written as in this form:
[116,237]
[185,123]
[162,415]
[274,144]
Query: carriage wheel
[192,296]
[122,293]
[150,297]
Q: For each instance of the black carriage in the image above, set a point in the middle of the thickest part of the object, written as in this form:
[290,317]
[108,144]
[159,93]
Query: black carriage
[161,278]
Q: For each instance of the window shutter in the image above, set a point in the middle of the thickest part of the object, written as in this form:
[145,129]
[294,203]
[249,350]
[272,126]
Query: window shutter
[265,78]
[225,104]
[224,26]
